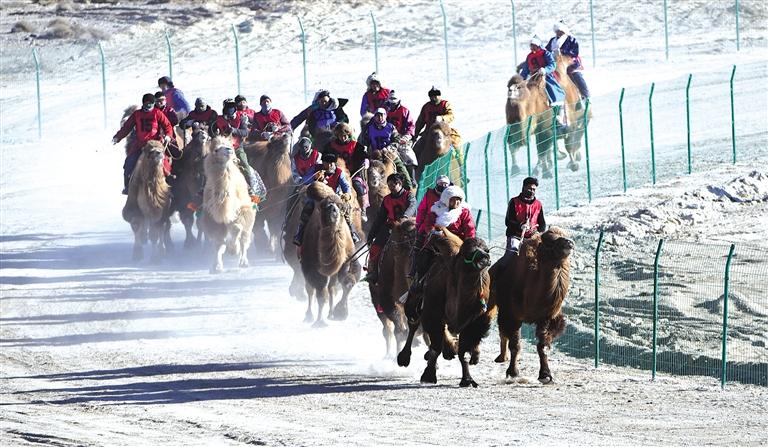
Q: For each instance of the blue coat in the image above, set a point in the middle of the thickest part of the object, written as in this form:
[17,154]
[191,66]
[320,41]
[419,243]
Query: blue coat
[570,47]
[555,93]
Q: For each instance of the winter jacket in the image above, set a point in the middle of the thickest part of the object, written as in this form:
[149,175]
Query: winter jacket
[542,58]
[569,47]
[301,166]
[238,126]
[147,125]
[377,138]
[336,179]
[392,208]
[352,152]
[372,101]
[429,114]
[207,116]
[521,210]
[171,115]
[249,113]
[463,227]
[175,98]
[323,119]
[423,211]
[260,121]
[402,120]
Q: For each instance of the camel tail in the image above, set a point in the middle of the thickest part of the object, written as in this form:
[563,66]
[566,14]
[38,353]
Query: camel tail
[556,326]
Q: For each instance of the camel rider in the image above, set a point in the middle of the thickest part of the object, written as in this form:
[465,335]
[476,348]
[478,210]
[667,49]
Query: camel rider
[160,103]
[401,118]
[203,114]
[374,97]
[236,126]
[425,206]
[566,44]
[150,124]
[174,97]
[305,158]
[324,112]
[344,145]
[437,109]
[379,133]
[525,217]
[541,61]
[268,120]
[399,203]
[242,108]
[331,175]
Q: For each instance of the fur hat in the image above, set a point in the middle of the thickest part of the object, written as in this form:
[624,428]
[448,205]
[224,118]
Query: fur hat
[434,91]
[373,77]
[148,98]
[329,158]
[239,98]
[451,191]
[560,26]
[535,40]
[200,102]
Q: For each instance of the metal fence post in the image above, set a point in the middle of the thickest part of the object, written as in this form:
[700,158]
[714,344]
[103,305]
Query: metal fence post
[650,119]
[726,283]
[478,215]
[514,32]
[621,132]
[592,25]
[688,120]
[666,33]
[736,7]
[733,117]
[597,298]
[303,56]
[375,42]
[586,148]
[237,57]
[487,183]
[656,303]
[103,83]
[464,178]
[555,112]
[506,159]
[445,39]
[37,82]
[528,142]
[170,54]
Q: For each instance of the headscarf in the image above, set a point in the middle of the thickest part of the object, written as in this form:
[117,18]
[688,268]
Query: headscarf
[445,216]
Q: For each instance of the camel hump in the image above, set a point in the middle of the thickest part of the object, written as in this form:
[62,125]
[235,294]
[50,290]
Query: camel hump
[318,191]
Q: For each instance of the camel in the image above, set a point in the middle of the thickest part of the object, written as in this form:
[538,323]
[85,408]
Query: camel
[378,171]
[531,289]
[455,291]
[326,257]
[272,160]
[436,142]
[393,270]
[189,182]
[148,206]
[228,214]
[528,98]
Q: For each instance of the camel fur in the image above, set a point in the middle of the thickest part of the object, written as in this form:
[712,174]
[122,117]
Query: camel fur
[326,255]
[531,289]
[437,141]
[189,181]
[394,263]
[377,174]
[228,214]
[148,206]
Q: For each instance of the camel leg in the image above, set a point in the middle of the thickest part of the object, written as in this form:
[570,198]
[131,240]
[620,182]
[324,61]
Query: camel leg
[167,242]
[544,340]
[188,219]
[387,332]
[244,240]
[466,378]
[322,297]
[310,294]
[297,287]
[503,356]
[331,293]
[156,236]
[404,357]
[514,349]
[450,346]
[341,311]
[138,250]
[218,263]
[436,336]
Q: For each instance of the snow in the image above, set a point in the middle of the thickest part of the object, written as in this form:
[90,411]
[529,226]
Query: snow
[97,350]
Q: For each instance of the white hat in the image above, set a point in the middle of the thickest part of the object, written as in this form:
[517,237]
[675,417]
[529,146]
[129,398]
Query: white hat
[536,41]
[451,191]
[560,26]
[443,179]
[382,111]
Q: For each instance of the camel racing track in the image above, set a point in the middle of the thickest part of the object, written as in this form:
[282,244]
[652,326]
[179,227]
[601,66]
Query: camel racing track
[231,295]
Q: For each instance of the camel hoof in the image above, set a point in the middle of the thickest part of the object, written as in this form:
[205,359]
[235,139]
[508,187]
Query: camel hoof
[573,166]
[320,324]
[512,373]
[429,376]
[474,359]
[546,379]
[244,264]
[308,318]
[448,353]
[340,313]
[404,358]
[426,355]
[467,382]
[501,359]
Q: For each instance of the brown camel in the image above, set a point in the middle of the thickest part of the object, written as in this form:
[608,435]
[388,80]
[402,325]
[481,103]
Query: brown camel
[228,213]
[326,257]
[531,289]
[290,251]
[148,205]
[189,182]
[272,160]
[437,141]
[393,270]
[456,290]
[378,172]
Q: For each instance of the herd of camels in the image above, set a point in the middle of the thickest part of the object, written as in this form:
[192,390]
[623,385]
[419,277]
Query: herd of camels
[463,291]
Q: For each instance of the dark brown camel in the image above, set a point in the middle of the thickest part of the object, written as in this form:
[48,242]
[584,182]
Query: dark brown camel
[189,182]
[393,270]
[378,172]
[272,160]
[531,289]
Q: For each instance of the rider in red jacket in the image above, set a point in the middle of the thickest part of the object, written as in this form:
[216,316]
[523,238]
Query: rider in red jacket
[525,217]
[148,123]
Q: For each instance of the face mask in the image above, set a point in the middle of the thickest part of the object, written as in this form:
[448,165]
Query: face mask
[159,105]
[528,194]
[265,108]
[229,111]
[147,107]
[440,188]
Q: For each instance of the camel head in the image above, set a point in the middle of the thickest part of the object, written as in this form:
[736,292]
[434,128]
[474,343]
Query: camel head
[222,150]
[515,86]
[280,144]
[555,245]
[330,212]
[343,132]
[475,253]
[376,175]
[154,152]
[404,232]
[200,132]
[439,137]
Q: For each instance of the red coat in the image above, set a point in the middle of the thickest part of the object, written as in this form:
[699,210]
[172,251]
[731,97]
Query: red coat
[402,120]
[237,123]
[247,112]
[520,212]
[464,227]
[303,165]
[171,114]
[147,125]
[423,211]
[372,101]
[260,120]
